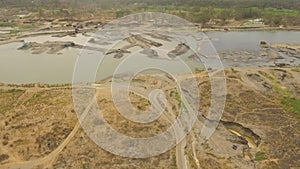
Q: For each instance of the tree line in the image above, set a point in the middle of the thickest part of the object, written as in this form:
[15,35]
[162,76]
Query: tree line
[279,4]
[273,12]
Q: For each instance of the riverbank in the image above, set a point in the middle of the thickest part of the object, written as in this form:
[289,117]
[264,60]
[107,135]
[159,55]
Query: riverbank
[245,28]
[71,32]
[39,125]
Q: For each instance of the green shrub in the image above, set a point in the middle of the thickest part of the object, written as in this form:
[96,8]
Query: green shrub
[260,156]
[292,105]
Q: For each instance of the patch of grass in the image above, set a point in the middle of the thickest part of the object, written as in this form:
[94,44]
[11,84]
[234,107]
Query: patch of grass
[7,24]
[260,156]
[174,163]
[266,75]
[192,160]
[281,12]
[28,26]
[292,105]
[297,69]
[282,91]
[85,165]
[13,32]
[15,91]
[177,96]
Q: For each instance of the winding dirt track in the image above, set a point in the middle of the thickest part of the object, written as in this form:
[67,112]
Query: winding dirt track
[47,160]
[181,160]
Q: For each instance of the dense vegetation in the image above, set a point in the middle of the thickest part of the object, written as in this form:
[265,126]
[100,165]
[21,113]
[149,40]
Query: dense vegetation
[274,12]
[279,4]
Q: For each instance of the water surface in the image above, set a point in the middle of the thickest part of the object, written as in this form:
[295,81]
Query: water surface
[20,67]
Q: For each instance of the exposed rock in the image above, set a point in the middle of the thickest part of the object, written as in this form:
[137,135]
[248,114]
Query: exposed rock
[264,44]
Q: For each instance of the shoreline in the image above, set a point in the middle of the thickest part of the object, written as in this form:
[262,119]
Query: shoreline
[245,29]
[21,36]
[70,85]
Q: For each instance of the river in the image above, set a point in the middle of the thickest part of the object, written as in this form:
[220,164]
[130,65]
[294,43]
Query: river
[21,67]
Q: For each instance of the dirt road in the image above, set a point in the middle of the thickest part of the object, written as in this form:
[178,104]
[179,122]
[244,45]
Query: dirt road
[49,159]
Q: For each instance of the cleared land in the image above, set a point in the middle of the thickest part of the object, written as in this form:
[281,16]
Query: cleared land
[259,128]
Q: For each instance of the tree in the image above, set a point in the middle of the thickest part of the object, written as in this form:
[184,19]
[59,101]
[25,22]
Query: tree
[272,20]
[225,15]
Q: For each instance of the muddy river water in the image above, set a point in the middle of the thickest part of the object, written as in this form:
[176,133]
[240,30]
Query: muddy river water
[21,66]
